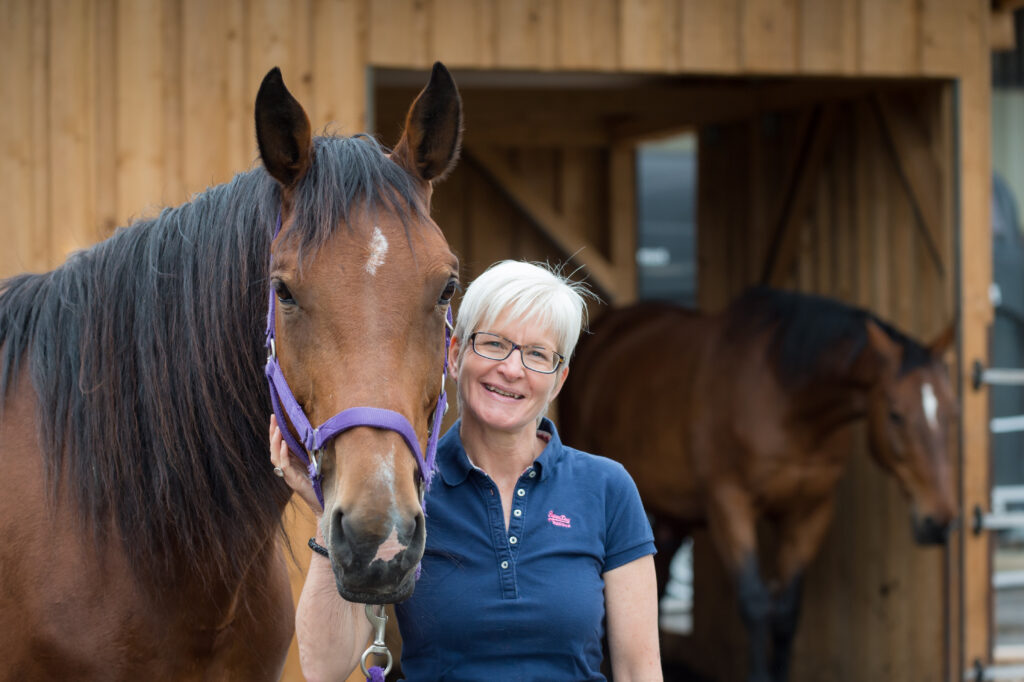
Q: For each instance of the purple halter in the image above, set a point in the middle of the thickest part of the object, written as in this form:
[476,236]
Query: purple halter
[315,439]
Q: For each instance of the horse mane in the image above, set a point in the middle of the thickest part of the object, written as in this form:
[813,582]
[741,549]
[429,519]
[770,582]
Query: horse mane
[812,335]
[146,354]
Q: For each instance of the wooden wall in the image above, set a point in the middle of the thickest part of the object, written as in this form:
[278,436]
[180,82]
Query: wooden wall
[115,107]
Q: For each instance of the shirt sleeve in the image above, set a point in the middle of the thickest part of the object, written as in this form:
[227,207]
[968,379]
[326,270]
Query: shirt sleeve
[628,534]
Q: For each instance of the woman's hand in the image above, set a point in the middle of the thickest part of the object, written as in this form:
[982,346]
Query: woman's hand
[292,470]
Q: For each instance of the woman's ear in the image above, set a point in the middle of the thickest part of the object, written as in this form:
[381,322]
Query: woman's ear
[560,381]
[454,348]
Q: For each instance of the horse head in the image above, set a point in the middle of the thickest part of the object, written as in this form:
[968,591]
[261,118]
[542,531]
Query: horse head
[911,408]
[359,314]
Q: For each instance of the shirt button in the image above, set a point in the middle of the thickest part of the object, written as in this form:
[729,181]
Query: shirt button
[520,492]
[517,512]
[512,540]
[533,473]
[504,564]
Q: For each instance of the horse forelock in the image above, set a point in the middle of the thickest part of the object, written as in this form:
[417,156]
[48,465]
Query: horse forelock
[349,175]
[812,336]
[146,354]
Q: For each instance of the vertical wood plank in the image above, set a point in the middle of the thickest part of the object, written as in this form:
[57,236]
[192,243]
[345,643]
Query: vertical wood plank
[623,224]
[974,245]
[888,37]
[104,168]
[942,38]
[525,35]
[339,38]
[463,32]
[588,34]
[239,91]
[709,36]
[72,111]
[205,136]
[828,36]
[647,34]
[400,33]
[140,111]
[271,30]
[173,190]
[20,157]
[768,36]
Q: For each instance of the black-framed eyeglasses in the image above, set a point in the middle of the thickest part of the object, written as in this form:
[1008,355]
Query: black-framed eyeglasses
[535,358]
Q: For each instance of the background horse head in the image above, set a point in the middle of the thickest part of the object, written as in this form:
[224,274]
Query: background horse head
[742,419]
[911,407]
[837,361]
[362,323]
[139,517]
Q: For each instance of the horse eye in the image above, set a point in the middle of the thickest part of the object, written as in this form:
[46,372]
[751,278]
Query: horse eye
[896,418]
[449,291]
[282,292]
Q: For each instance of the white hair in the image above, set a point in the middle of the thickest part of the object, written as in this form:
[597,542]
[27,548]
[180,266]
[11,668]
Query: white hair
[528,292]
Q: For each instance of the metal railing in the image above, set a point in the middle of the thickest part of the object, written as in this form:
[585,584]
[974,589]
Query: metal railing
[1002,515]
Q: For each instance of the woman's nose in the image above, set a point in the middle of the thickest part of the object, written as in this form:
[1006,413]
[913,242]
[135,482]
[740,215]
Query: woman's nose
[513,364]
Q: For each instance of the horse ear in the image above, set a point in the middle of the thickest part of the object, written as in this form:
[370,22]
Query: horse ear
[282,131]
[429,146]
[943,342]
[888,350]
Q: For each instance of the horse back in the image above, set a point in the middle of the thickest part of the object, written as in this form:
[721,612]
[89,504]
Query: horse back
[631,396]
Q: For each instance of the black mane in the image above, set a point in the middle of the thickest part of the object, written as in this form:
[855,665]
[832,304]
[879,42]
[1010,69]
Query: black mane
[808,330]
[146,354]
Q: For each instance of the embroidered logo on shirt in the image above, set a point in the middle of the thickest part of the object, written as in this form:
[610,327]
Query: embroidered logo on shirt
[560,520]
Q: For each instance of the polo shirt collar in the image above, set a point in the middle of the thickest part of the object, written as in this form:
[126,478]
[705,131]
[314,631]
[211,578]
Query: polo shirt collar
[454,466]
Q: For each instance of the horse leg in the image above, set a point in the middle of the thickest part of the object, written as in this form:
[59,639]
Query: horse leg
[732,522]
[801,534]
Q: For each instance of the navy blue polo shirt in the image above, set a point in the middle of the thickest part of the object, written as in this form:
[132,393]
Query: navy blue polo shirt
[526,603]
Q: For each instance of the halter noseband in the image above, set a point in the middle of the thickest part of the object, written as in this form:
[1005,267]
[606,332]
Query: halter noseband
[315,439]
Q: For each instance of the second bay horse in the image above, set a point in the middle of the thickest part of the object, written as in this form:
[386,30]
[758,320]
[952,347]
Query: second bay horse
[732,418]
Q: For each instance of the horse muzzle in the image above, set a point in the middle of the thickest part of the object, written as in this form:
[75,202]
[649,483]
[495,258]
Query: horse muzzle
[376,563]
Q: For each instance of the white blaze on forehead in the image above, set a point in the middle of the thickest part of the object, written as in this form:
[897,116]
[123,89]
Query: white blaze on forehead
[378,249]
[930,404]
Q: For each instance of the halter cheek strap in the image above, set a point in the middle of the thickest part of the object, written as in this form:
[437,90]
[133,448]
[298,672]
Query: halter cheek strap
[314,439]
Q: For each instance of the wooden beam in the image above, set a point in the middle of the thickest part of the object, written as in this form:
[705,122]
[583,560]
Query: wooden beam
[622,209]
[782,250]
[554,225]
[911,153]
[1001,34]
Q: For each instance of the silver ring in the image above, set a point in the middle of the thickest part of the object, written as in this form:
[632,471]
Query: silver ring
[278,472]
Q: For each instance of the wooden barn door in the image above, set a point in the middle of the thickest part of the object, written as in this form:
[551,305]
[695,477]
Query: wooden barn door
[851,199]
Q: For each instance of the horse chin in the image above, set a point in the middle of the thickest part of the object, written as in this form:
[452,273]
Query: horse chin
[362,595]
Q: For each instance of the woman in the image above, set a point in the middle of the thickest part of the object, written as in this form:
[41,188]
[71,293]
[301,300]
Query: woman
[533,548]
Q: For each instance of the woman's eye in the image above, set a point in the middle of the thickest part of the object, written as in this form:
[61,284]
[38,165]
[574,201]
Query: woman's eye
[282,292]
[449,291]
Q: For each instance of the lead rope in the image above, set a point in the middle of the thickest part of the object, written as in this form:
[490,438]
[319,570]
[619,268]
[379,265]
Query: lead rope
[378,648]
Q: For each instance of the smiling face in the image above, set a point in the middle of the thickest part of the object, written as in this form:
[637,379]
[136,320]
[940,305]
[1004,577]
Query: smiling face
[504,395]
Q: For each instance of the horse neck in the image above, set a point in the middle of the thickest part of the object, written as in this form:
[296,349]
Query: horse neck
[829,404]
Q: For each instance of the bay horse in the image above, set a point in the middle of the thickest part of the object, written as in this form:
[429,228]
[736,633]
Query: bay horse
[743,416]
[140,532]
